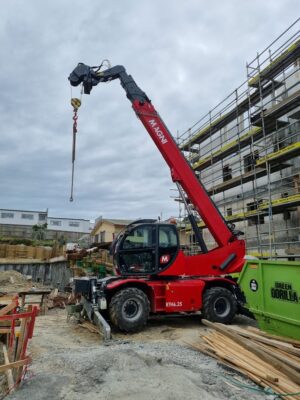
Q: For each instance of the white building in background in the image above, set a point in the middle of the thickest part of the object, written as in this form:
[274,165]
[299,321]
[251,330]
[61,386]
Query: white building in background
[20,222]
[22,217]
[69,225]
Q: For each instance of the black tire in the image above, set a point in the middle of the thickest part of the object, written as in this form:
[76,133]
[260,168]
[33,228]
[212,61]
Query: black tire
[129,309]
[219,305]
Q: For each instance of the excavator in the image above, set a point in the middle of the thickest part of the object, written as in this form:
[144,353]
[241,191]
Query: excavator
[154,274]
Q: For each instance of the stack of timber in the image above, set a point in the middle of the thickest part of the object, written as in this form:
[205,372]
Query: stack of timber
[16,329]
[269,361]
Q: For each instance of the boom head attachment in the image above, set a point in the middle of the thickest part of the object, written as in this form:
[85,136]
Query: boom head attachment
[91,76]
[86,75]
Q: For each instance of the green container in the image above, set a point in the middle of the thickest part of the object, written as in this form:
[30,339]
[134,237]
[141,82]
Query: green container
[272,291]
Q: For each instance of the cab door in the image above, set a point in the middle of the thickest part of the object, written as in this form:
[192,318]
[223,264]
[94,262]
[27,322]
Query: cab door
[137,251]
[168,245]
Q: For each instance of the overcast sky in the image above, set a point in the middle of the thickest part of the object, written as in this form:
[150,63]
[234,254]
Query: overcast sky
[186,55]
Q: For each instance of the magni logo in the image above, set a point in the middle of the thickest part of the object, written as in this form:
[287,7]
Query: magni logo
[158,131]
[164,259]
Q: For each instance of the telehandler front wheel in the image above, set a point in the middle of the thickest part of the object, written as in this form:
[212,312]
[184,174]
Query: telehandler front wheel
[219,305]
[129,309]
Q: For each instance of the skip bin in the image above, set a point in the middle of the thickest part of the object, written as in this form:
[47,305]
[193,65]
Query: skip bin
[272,291]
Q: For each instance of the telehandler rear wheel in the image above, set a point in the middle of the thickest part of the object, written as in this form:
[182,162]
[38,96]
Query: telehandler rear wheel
[129,309]
[219,305]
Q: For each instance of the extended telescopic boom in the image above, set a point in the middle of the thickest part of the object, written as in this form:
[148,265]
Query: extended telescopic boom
[181,171]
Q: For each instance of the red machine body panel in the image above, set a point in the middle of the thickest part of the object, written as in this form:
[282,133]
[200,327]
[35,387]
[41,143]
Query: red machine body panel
[171,296]
[207,264]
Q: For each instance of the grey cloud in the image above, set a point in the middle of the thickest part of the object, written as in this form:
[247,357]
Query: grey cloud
[187,56]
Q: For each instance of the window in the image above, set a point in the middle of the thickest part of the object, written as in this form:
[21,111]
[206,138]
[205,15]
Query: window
[7,215]
[257,219]
[167,237]
[74,224]
[139,237]
[137,255]
[42,217]
[102,237]
[227,173]
[55,223]
[249,161]
[27,216]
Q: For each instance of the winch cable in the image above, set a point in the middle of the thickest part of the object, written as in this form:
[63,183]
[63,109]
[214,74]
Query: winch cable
[76,103]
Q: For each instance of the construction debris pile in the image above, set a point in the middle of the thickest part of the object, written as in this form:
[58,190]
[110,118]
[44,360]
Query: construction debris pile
[270,361]
[58,299]
[13,282]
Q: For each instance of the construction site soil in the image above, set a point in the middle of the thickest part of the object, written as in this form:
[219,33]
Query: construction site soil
[71,363]
[12,282]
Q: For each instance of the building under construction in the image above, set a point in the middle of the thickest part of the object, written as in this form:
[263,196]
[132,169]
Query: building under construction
[246,151]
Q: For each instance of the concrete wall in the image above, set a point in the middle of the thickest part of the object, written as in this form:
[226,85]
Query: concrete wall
[57,275]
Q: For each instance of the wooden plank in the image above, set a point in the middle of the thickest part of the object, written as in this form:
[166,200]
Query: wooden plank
[15,364]
[218,340]
[272,342]
[293,342]
[5,310]
[249,345]
[283,385]
[283,357]
[4,331]
[7,299]
[8,371]
[222,361]
[244,359]
[21,338]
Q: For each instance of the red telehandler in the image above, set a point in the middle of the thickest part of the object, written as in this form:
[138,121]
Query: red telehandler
[155,276]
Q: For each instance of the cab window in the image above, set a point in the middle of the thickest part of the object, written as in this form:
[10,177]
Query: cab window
[139,237]
[167,237]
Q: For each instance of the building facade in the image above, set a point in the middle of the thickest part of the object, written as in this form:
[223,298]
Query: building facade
[19,224]
[105,230]
[246,151]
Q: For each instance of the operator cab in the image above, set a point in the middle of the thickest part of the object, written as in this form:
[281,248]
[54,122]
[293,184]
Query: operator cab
[145,248]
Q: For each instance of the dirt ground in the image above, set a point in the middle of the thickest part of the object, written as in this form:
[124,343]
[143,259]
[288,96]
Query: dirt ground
[71,363]
[12,282]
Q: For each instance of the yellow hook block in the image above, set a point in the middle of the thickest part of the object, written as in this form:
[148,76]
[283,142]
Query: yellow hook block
[76,103]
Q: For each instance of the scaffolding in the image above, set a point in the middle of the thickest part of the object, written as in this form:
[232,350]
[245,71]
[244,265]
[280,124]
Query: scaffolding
[246,152]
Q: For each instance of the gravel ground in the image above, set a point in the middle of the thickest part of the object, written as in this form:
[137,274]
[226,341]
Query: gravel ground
[71,363]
